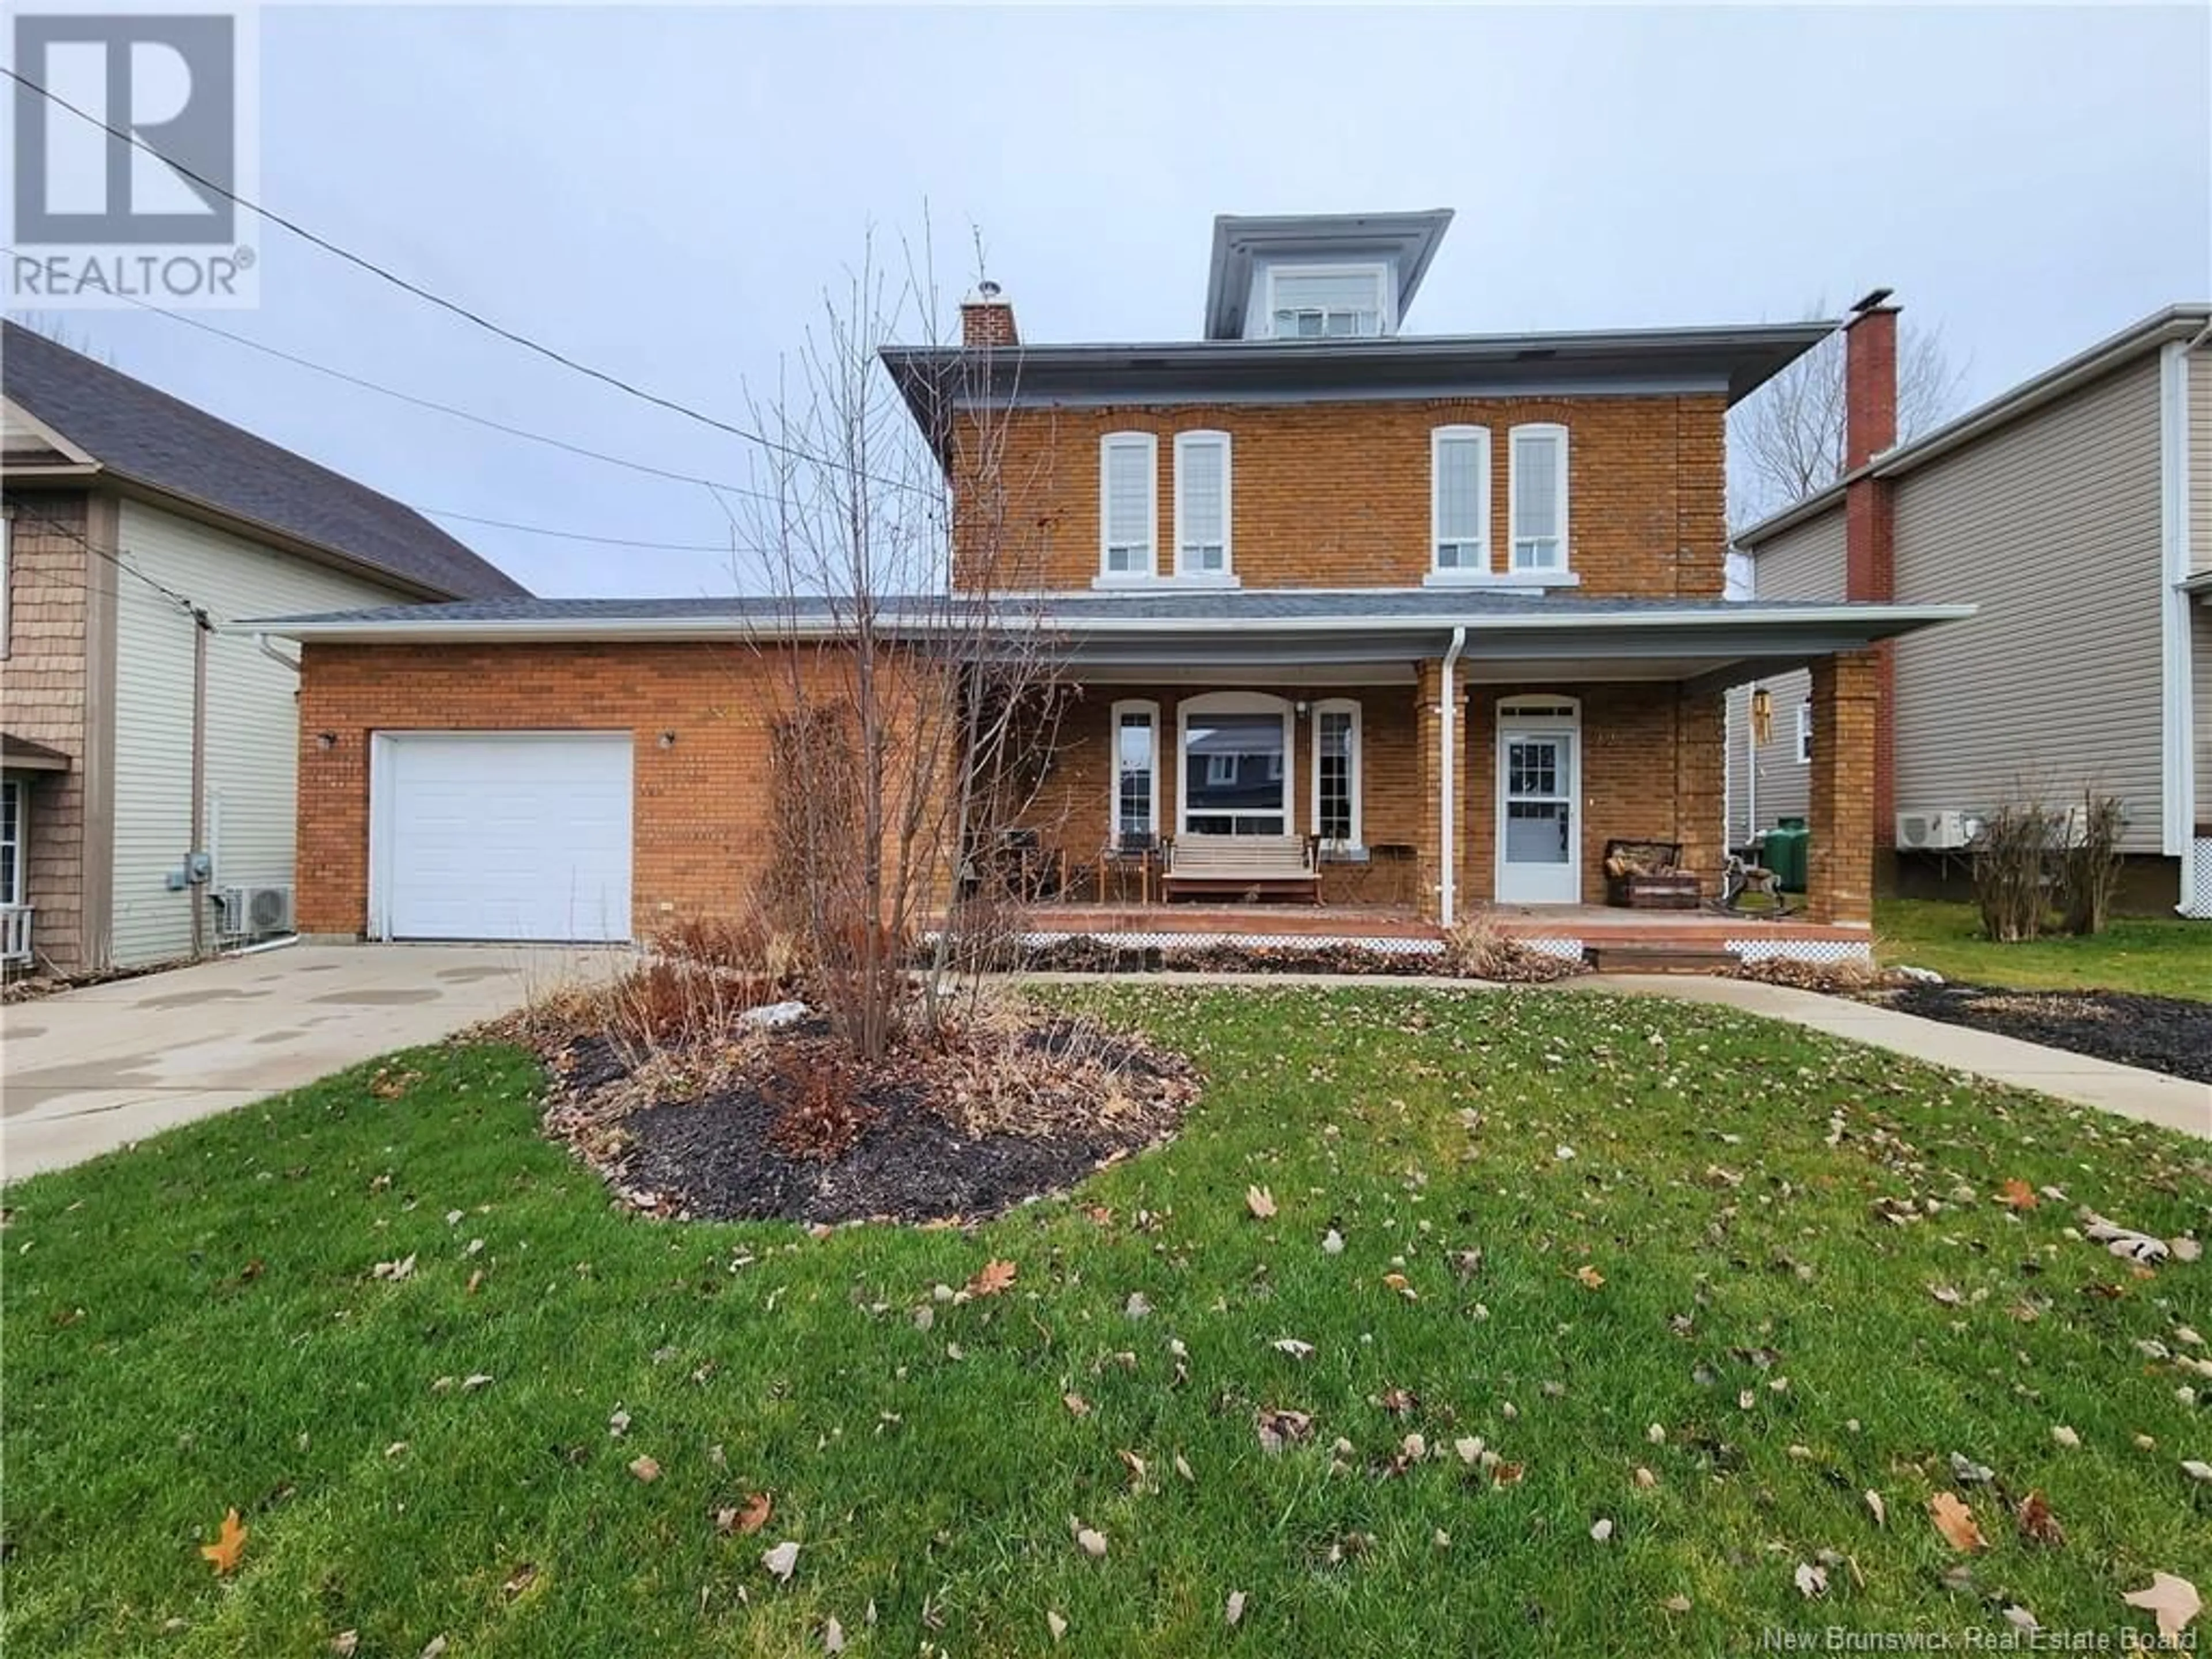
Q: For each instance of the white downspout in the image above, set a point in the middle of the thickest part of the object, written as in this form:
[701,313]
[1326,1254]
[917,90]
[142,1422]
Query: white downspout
[1446,796]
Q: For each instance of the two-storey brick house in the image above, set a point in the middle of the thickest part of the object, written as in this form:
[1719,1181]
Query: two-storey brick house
[1445,614]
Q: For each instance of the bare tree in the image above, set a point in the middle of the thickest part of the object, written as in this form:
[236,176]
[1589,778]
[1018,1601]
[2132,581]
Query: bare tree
[1787,440]
[913,700]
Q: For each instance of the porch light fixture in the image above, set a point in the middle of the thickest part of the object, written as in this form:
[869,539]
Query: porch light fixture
[326,741]
[668,740]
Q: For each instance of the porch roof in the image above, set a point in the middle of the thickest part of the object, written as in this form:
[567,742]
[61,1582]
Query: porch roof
[21,754]
[1504,633]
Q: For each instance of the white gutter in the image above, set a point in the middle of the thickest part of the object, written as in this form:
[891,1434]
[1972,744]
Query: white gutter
[550,629]
[1446,796]
[261,644]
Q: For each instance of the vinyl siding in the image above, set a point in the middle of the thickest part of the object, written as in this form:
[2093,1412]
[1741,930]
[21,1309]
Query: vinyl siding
[2051,526]
[1766,780]
[2200,475]
[252,738]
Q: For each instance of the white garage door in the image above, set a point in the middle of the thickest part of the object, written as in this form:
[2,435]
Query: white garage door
[504,836]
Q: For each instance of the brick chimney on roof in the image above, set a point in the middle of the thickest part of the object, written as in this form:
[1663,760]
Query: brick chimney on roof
[987,318]
[1869,537]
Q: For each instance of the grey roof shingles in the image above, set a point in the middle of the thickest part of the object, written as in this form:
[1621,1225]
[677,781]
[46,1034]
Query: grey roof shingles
[1445,606]
[165,444]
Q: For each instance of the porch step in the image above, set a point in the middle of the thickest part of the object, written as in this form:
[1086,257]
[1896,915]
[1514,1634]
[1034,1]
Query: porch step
[1657,958]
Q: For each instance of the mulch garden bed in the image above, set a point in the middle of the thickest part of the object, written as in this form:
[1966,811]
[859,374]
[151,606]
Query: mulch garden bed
[2160,1033]
[779,1126]
[1501,960]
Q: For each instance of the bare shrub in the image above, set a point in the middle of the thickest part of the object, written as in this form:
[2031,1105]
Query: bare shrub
[665,1005]
[816,1098]
[2089,865]
[2011,870]
[1844,978]
[1478,948]
[752,945]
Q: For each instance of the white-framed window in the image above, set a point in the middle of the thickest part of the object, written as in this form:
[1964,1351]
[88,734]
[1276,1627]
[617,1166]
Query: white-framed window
[1201,504]
[14,802]
[1805,733]
[1221,769]
[1336,787]
[1459,498]
[1135,809]
[1128,504]
[1238,761]
[1329,303]
[1540,497]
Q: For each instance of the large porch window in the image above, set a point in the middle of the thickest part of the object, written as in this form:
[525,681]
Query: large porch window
[1236,764]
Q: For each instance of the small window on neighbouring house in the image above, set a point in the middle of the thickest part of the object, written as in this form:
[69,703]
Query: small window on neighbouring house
[1221,770]
[1202,510]
[1128,503]
[1136,772]
[1805,733]
[1324,305]
[1458,506]
[1540,498]
[11,842]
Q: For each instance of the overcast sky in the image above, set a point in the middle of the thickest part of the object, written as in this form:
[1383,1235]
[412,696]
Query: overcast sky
[666,192]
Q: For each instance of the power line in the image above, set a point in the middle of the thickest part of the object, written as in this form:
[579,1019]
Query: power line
[454,308]
[23,508]
[581,536]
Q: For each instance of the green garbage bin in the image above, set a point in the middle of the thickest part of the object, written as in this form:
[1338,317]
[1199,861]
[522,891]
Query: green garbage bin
[1783,850]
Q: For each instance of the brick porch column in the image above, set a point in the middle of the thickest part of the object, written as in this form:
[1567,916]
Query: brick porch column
[1700,783]
[1846,700]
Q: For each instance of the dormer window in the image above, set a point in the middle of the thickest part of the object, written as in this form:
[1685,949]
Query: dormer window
[1327,302]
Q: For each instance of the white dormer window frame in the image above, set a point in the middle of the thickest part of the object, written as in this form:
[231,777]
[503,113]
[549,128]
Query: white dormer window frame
[1460,557]
[1386,297]
[1528,553]
[1193,557]
[1125,559]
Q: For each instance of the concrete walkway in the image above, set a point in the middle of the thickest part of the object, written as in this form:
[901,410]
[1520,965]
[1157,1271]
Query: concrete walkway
[85,1071]
[2149,1096]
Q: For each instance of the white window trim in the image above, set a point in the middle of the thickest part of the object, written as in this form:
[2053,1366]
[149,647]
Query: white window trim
[1536,429]
[1385,310]
[1356,845]
[1480,570]
[1238,702]
[1226,576]
[1150,711]
[1540,713]
[18,866]
[1805,733]
[1149,446]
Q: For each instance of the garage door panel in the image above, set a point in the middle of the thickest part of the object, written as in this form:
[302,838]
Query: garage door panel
[507,836]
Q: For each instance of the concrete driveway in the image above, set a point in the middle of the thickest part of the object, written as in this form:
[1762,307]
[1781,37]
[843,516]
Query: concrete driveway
[85,1071]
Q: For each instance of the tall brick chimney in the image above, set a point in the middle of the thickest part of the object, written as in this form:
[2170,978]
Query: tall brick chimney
[987,318]
[1869,558]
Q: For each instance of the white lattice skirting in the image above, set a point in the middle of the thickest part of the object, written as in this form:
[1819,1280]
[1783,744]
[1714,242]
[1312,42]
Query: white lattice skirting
[2200,879]
[1802,950]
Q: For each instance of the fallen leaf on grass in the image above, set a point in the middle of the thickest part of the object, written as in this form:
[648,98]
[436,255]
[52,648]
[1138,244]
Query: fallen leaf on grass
[2066,1437]
[645,1468]
[1602,1532]
[394,1270]
[1277,1429]
[1092,1541]
[2173,1601]
[1260,1202]
[2037,1523]
[1955,1521]
[1969,1473]
[748,1518]
[519,1580]
[2196,1470]
[1591,1278]
[1076,1404]
[1235,1611]
[2017,1194]
[1811,1580]
[833,1636]
[345,1642]
[1057,1625]
[1398,1283]
[475,1283]
[781,1561]
[229,1545]
[1880,1510]
[433,1649]
[1331,1243]
[1292,1346]
[1676,1604]
[994,1277]
[2124,1241]
[475,1380]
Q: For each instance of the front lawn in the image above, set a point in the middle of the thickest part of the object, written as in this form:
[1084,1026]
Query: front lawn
[2159,956]
[1703,1279]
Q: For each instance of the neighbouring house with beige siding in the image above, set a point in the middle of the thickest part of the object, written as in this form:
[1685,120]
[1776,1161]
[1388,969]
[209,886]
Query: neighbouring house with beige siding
[135,529]
[2075,512]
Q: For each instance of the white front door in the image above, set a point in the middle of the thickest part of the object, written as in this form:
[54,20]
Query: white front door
[501,835]
[1539,830]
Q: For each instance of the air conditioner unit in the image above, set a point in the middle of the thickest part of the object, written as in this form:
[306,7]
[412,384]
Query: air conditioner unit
[268,910]
[1937,832]
[229,912]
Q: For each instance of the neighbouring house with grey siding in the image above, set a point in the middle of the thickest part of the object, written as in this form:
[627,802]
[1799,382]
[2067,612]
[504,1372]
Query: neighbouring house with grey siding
[2075,512]
[141,730]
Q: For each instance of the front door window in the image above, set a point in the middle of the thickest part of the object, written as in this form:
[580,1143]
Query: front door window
[1234,779]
